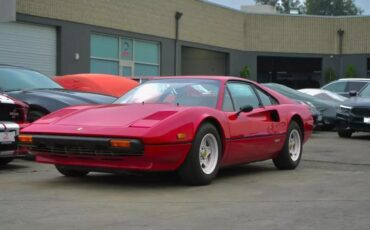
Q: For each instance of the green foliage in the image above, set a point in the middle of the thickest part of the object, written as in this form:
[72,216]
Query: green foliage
[350,72]
[329,75]
[332,7]
[284,6]
[244,73]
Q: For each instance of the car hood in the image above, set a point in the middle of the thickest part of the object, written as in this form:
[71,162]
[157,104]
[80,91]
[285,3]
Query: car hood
[155,122]
[114,115]
[54,99]
[357,102]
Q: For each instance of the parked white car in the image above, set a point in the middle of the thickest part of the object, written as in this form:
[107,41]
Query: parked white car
[324,94]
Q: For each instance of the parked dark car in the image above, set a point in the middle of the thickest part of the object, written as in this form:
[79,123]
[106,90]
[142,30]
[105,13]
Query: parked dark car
[353,115]
[42,94]
[345,85]
[327,109]
[12,119]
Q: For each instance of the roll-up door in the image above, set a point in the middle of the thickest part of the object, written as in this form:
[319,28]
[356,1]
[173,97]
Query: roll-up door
[29,45]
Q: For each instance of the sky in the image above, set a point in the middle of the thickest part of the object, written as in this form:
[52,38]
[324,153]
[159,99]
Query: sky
[364,4]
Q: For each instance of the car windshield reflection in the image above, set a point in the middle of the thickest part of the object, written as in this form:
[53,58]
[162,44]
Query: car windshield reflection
[185,92]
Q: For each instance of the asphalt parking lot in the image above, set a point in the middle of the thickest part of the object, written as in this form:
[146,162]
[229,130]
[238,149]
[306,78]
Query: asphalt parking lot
[330,190]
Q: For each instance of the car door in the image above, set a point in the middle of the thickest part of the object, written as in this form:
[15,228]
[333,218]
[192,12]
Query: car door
[253,135]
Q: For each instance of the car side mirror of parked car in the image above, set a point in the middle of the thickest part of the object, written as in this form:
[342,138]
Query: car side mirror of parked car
[243,109]
[353,93]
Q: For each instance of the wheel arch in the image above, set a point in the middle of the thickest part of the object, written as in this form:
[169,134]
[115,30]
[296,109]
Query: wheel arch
[220,129]
[298,119]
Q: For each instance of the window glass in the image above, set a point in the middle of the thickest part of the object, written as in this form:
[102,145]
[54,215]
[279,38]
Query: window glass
[104,47]
[355,85]
[266,99]
[126,49]
[243,95]
[366,91]
[103,66]
[22,79]
[146,52]
[337,87]
[126,71]
[227,104]
[146,70]
[184,92]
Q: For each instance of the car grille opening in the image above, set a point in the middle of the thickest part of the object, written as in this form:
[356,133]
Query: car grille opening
[361,111]
[11,112]
[81,146]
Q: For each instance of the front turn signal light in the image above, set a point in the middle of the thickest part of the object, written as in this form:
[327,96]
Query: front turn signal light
[181,136]
[120,143]
[25,138]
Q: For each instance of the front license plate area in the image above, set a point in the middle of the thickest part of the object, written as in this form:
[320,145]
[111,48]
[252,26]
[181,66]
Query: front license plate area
[367,120]
[7,137]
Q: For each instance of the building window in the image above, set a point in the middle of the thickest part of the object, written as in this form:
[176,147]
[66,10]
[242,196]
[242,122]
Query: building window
[368,67]
[124,56]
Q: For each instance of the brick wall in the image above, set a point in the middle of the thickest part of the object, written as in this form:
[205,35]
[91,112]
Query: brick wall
[212,25]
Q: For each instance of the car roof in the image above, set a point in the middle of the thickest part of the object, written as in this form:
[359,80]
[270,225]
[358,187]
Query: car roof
[219,78]
[354,79]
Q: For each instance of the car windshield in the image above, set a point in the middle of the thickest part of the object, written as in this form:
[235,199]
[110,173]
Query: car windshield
[365,91]
[187,92]
[12,79]
[297,95]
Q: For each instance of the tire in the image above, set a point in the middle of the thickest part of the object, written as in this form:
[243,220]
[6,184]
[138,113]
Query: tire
[34,115]
[345,133]
[5,161]
[290,156]
[66,171]
[203,161]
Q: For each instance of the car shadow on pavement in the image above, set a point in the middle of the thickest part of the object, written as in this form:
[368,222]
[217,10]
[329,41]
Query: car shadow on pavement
[361,136]
[246,170]
[12,167]
[153,180]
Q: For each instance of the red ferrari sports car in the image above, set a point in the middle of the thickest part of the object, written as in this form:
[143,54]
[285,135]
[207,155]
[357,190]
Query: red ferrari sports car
[194,125]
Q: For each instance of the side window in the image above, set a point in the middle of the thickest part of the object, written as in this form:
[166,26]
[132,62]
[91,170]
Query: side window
[337,87]
[366,91]
[227,104]
[265,98]
[243,94]
[357,85]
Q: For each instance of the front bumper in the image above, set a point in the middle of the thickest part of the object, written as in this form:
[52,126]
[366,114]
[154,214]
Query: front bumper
[352,122]
[8,133]
[94,154]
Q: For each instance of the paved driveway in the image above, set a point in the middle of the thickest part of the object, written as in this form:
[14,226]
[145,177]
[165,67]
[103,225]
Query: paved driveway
[330,190]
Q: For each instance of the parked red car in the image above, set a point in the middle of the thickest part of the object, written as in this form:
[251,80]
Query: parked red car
[194,125]
[13,115]
[111,85]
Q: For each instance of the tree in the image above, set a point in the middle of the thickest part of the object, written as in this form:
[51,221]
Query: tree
[244,73]
[330,75]
[332,7]
[350,72]
[284,6]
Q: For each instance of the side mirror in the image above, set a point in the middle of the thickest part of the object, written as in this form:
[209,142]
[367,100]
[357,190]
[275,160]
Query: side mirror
[353,93]
[243,109]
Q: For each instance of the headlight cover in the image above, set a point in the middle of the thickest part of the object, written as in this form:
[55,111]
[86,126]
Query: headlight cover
[344,109]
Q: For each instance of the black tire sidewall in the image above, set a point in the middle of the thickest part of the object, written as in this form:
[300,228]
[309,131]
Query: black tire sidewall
[66,171]
[284,160]
[5,161]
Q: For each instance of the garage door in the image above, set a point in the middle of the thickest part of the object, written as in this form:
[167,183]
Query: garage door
[196,61]
[28,45]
